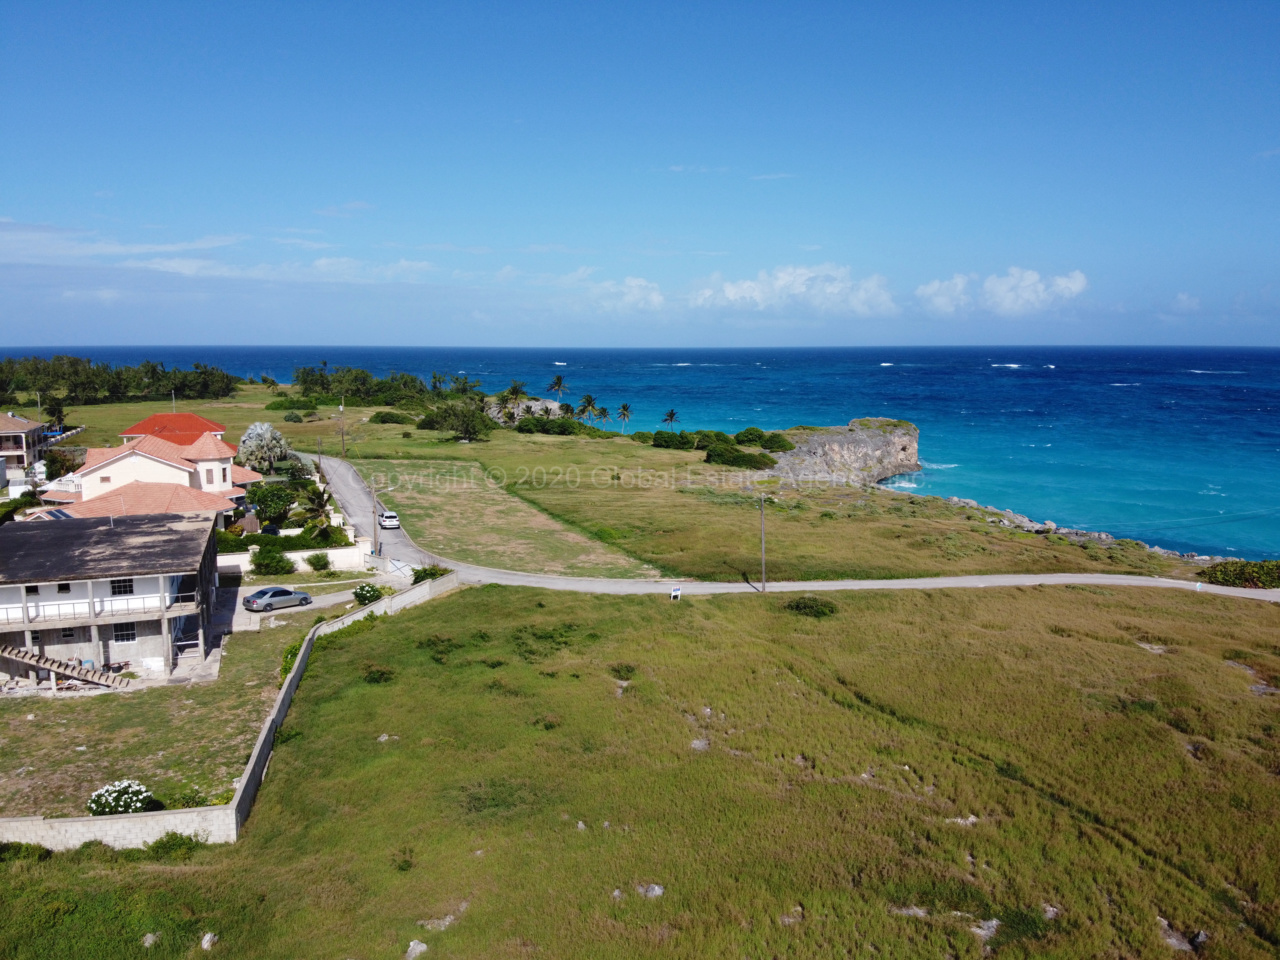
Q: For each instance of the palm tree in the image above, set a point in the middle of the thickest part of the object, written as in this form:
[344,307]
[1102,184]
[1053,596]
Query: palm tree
[262,445]
[587,406]
[670,418]
[624,414]
[557,386]
[603,414]
[313,508]
[517,391]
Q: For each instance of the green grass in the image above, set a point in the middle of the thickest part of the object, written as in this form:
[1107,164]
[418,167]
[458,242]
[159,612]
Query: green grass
[668,509]
[172,738]
[1111,782]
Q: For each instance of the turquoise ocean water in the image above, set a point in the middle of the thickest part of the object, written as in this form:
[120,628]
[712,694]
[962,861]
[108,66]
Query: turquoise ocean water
[1179,447]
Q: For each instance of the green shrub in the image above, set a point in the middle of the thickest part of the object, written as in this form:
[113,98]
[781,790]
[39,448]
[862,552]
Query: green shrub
[777,443]
[318,561]
[230,543]
[731,456]
[291,403]
[392,416]
[811,606]
[374,673]
[186,800]
[674,441]
[293,417]
[33,852]
[750,437]
[272,563]
[1258,574]
[367,593]
[622,671]
[704,439]
[289,658]
[562,427]
[433,572]
[174,846]
[642,436]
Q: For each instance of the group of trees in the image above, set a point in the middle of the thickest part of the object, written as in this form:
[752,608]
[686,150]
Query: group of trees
[81,381]
[325,384]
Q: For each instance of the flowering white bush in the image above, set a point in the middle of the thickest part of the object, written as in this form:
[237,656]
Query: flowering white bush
[366,593]
[123,796]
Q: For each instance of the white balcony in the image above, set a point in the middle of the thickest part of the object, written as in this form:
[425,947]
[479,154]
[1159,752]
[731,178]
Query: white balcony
[55,611]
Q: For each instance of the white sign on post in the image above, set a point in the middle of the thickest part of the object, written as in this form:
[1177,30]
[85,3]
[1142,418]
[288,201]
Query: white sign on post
[675,593]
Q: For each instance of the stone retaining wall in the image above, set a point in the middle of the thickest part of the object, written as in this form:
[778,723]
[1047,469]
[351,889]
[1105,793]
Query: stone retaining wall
[340,558]
[214,824]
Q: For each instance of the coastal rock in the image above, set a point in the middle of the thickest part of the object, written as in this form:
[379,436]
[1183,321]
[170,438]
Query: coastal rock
[866,451]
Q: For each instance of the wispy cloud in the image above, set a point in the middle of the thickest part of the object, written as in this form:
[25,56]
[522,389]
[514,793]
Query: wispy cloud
[304,244]
[695,168]
[1186,303]
[774,176]
[351,208]
[42,243]
[322,270]
[824,288]
[454,248]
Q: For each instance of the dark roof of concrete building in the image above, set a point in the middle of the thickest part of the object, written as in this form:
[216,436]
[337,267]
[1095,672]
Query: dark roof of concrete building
[102,547]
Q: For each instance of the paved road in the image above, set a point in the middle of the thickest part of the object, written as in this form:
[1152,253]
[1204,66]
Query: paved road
[351,493]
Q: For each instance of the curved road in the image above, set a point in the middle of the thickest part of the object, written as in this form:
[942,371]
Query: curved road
[349,489]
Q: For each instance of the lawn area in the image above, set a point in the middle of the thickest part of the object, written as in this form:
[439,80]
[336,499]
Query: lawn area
[669,509]
[174,739]
[449,507]
[875,782]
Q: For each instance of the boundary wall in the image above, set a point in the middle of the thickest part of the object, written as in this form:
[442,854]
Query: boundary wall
[214,824]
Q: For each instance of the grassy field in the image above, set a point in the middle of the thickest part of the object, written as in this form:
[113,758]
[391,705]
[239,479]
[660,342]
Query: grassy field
[873,783]
[174,739]
[669,509]
[450,508]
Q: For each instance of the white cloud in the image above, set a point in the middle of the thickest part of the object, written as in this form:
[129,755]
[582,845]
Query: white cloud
[773,176]
[322,270]
[633,293]
[41,243]
[304,244]
[945,296]
[825,288]
[1022,291]
[1185,303]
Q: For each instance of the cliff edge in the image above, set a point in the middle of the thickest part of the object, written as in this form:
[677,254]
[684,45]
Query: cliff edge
[868,450]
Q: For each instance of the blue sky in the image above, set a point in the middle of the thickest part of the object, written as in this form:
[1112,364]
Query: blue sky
[639,175]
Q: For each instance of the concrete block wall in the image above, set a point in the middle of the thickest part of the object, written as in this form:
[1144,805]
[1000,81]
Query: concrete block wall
[340,558]
[214,824]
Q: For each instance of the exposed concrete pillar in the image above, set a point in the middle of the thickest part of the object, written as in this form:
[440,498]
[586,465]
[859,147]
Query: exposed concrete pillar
[168,643]
[32,673]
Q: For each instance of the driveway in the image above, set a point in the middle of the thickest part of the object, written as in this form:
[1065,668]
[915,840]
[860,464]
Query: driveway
[349,489]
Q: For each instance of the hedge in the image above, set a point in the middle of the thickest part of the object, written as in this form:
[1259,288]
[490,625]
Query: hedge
[392,416]
[674,441]
[1258,574]
[562,427]
[731,456]
[230,543]
[291,403]
[750,437]
[777,443]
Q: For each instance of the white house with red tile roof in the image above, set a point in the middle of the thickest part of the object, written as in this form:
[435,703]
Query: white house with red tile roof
[206,464]
[138,498]
[180,428]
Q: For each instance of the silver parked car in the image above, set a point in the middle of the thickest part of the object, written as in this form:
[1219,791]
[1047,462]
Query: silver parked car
[269,598]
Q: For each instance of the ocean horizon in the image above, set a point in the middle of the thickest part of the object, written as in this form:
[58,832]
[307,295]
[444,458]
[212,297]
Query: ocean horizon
[1175,446]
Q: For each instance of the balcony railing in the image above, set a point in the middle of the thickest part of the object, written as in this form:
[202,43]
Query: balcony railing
[86,610]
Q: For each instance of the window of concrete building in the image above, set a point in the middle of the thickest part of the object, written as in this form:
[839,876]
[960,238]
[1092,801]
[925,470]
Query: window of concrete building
[68,633]
[224,474]
[208,475]
[124,632]
[122,588]
[33,590]
[64,588]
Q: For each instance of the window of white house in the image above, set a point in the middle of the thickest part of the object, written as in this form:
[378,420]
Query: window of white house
[68,633]
[122,588]
[33,590]
[104,479]
[64,588]
[208,475]
[124,632]
[224,474]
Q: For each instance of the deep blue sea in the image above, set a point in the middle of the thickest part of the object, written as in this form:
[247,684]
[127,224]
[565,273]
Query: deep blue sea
[1179,447]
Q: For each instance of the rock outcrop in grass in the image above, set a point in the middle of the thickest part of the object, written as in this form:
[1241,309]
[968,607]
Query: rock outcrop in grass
[864,452]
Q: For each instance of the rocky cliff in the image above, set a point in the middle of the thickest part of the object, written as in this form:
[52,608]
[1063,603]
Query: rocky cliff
[867,450]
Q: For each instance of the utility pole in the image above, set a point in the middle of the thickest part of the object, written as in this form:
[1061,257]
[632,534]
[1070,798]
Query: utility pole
[173,397]
[342,427]
[763,581]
